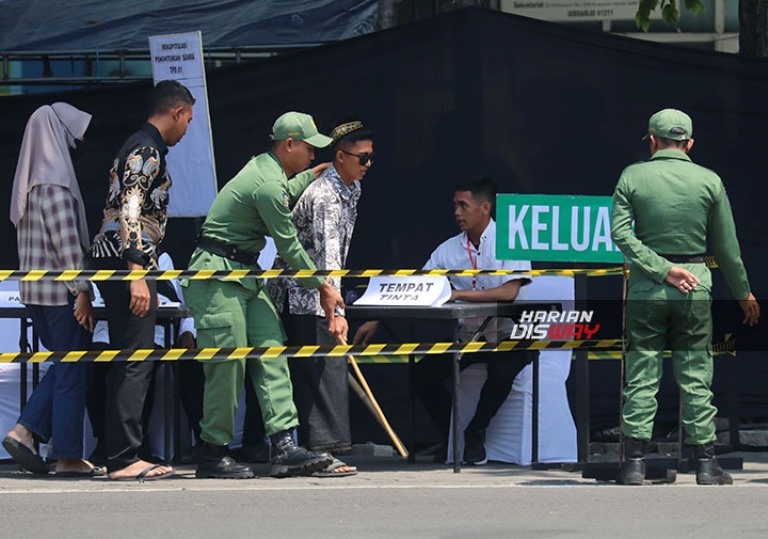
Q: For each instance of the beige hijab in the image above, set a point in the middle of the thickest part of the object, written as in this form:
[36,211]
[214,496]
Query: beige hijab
[44,158]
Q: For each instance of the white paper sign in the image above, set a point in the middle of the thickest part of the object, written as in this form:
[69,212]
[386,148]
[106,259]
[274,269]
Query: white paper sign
[190,163]
[10,298]
[420,291]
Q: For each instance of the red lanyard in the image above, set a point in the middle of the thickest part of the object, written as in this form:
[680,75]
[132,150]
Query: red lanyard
[473,262]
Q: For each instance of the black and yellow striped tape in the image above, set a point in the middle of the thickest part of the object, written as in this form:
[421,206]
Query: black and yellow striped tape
[208,354]
[168,275]
[726,347]
[196,275]
[604,349]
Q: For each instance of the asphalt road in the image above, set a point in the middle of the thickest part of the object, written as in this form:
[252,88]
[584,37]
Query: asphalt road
[389,499]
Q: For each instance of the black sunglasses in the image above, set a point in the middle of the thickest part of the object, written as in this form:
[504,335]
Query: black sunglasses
[364,157]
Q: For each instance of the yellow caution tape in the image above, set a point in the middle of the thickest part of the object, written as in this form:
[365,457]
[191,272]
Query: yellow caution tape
[201,275]
[727,347]
[271,352]
[603,349]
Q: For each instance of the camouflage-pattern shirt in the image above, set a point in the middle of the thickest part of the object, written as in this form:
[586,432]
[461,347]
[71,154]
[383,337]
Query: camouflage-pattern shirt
[324,218]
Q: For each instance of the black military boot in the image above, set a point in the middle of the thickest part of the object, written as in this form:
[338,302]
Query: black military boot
[216,463]
[257,454]
[289,459]
[708,470]
[633,468]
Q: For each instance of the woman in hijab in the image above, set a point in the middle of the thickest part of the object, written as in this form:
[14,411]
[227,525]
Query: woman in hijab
[48,212]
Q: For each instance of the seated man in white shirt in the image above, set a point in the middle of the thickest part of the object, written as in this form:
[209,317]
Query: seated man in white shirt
[474,247]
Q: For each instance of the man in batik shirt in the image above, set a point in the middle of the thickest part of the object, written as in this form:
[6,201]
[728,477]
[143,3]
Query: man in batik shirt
[135,216]
[324,218]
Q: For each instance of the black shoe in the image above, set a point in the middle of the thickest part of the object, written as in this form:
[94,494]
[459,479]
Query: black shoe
[215,463]
[441,453]
[708,470]
[474,447]
[224,468]
[289,459]
[608,435]
[255,453]
[632,472]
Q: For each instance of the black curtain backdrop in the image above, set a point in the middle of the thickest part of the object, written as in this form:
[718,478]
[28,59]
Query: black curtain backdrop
[538,107]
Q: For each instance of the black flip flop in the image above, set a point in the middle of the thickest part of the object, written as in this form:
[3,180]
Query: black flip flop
[142,475]
[97,471]
[28,459]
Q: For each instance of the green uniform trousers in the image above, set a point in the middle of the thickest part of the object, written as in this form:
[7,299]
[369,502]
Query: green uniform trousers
[659,317]
[228,315]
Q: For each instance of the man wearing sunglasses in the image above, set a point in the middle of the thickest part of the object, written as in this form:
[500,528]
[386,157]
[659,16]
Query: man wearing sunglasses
[324,218]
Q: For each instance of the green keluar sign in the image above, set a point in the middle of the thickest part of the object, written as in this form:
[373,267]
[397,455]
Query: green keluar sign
[555,228]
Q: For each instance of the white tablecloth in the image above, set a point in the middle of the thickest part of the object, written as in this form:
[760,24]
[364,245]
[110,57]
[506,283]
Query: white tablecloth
[508,437]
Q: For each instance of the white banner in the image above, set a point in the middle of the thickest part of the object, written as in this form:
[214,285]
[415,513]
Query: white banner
[190,162]
[417,290]
[573,10]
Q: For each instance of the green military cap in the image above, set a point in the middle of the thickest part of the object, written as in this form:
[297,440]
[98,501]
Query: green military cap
[671,124]
[299,126]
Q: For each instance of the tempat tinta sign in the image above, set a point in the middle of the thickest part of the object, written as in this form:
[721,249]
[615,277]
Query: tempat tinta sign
[556,228]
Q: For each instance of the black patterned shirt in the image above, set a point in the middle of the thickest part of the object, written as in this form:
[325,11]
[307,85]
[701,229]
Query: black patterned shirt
[136,210]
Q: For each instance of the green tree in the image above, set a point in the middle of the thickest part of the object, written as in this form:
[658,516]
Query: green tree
[753,21]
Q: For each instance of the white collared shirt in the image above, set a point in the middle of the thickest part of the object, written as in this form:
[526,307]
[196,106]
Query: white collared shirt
[454,253]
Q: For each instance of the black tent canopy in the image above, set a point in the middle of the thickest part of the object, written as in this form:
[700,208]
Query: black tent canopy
[95,25]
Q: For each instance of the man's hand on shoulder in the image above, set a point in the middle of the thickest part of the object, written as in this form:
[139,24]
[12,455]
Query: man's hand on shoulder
[319,169]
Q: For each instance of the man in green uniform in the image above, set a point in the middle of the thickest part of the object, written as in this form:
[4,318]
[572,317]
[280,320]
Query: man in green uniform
[679,208]
[234,313]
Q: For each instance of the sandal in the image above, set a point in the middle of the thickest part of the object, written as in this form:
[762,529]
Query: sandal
[330,470]
[96,471]
[26,457]
[142,475]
